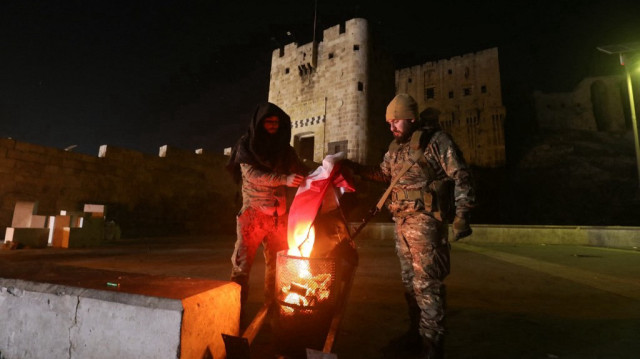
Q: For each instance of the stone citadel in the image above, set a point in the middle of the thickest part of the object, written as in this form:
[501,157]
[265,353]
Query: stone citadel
[336,91]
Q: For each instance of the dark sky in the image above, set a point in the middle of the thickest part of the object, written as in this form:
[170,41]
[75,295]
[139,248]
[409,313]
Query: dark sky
[142,74]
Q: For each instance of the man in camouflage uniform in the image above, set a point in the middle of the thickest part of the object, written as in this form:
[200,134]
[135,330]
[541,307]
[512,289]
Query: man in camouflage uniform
[265,162]
[421,233]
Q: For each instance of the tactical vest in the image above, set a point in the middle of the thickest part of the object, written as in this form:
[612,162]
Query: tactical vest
[438,194]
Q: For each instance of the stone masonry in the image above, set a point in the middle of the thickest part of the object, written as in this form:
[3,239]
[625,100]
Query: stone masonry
[335,91]
[466,90]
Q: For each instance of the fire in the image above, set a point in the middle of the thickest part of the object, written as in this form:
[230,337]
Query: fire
[302,242]
[305,290]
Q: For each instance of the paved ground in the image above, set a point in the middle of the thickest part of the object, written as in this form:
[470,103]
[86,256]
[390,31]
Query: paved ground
[504,301]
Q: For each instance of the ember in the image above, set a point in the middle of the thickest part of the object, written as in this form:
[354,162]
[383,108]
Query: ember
[304,283]
[298,286]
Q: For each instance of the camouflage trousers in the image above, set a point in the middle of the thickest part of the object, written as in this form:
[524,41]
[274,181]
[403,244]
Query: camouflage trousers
[254,228]
[424,252]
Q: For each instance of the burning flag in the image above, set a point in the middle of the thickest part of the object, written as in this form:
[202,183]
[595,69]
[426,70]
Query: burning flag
[308,200]
[306,286]
[308,275]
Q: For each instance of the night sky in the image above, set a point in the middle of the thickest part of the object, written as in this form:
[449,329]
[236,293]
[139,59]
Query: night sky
[142,74]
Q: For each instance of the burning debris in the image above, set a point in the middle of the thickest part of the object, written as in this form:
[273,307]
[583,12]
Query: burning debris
[299,289]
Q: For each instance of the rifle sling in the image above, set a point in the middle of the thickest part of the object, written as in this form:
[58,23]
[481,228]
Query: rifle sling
[415,156]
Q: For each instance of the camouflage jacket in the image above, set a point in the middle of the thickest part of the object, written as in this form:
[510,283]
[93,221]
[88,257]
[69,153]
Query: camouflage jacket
[446,161]
[263,190]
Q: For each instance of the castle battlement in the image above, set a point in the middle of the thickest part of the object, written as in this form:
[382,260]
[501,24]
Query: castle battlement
[326,88]
[336,92]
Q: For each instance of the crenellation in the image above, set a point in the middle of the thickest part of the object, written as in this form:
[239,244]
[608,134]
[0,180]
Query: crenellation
[331,34]
[335,91]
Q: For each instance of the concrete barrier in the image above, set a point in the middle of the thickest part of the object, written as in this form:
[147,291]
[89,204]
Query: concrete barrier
[29,237]
[609,236]
[72,312]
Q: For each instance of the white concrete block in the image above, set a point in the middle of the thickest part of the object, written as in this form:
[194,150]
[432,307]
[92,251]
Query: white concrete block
[142,317]
[8,234]
[90,234]
[60,237]
[22,213]
[97,210]
[29,237]
[76,217]
[102,151]
[35,323]
[107,329]
[38,221]
[162,152]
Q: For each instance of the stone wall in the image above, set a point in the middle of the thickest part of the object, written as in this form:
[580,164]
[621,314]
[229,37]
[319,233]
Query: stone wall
[466,90]
[595,104]
[176,192]
[332,90]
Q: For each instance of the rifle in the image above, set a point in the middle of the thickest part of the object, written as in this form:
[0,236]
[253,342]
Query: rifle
[372,212]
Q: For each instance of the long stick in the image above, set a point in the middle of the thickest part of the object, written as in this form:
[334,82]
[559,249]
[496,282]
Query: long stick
[253,328]
[239,347]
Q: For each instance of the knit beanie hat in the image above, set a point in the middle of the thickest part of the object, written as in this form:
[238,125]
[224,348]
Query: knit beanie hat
[402,107]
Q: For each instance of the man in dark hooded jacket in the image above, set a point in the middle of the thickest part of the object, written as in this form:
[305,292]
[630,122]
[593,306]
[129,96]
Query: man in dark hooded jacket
[265,162]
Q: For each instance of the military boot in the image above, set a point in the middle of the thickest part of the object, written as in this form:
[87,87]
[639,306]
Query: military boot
[244,294]
[409,342]
[432,348]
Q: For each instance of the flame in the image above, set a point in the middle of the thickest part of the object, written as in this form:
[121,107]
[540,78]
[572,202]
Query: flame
[301,244]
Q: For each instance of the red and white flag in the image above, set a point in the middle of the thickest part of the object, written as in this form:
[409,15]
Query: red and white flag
[308,199]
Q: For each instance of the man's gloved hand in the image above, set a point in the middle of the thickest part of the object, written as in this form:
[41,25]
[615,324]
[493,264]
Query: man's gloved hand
[461,227]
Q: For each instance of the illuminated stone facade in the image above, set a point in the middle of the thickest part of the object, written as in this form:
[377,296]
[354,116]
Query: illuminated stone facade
[466,90]
[335,91]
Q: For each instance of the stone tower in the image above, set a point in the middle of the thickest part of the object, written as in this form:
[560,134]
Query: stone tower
[335,91]
[466,91]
